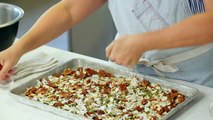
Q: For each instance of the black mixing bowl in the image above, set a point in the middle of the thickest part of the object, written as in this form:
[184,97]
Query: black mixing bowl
[10,16]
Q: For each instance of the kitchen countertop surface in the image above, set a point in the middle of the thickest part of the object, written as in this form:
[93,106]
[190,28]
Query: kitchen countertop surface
[10,109]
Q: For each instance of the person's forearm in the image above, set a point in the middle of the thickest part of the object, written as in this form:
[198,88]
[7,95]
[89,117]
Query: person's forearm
[54,22]
[196,30]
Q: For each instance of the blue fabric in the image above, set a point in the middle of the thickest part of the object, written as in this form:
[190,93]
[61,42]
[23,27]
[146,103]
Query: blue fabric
[197,6]
[140,16]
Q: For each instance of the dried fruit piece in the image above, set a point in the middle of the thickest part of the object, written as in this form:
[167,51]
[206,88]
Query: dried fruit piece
[90,72]
[160,111]
[100,112]
[50,84]
[153,118]
[138,108]
[84,92]
[89,113]
[121,107]
[123,86]
[166,109]
[180,98]
[144,101]
[96,118]
[31,91]
[145,83]
[67,71]
[41,90]
[103,73]
[58,104]
[52,98]
[70,101]
[65,95]
[125,100]
[88,81]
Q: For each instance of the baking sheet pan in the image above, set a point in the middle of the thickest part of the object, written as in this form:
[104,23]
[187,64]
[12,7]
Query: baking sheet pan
[18,92]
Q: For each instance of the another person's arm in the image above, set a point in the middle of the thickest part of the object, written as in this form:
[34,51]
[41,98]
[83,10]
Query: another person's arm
[51,24]
[196,30]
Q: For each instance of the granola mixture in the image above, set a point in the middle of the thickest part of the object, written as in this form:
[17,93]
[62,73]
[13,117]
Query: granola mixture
[99,95]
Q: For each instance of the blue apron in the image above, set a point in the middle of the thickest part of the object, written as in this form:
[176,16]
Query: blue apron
[192,64]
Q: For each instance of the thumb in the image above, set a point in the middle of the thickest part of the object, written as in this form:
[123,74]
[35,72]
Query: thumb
[5,68]
[108,49]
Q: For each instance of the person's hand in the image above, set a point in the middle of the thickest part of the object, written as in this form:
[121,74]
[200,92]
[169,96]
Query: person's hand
[126,50]
[8,58]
